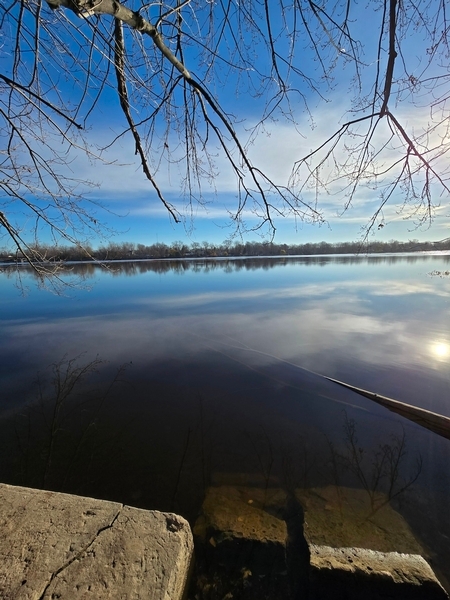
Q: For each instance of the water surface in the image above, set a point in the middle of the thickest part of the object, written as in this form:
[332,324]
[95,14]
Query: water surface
[221,363]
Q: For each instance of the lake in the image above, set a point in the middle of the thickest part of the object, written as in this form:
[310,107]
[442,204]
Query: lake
[152,380]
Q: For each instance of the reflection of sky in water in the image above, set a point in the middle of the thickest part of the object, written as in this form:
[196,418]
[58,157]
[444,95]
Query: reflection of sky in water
[243,339]
[372,324]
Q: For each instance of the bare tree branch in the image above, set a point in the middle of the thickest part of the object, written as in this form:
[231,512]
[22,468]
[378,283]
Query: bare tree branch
[167,71]
[119,52]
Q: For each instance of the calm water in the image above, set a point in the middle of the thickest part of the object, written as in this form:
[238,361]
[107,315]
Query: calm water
[219,378]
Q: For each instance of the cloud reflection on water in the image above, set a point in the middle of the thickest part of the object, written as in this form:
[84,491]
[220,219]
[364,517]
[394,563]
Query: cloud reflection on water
[218,339]
[349,316]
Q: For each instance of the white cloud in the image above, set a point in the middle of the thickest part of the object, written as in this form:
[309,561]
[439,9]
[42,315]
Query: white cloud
[275,151]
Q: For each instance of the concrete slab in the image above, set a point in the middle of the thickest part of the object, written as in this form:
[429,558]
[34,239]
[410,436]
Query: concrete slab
[355,573]
[60,546]
[321,544]
[241,550]
[344,517]
[358,552]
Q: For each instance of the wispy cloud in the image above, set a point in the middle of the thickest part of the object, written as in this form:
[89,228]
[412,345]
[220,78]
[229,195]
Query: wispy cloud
[123,186]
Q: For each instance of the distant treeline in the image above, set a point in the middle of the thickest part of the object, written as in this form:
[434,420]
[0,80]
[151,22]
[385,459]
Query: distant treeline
[130,250]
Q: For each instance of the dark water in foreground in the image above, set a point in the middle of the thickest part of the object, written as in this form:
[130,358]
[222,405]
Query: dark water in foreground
[209,374]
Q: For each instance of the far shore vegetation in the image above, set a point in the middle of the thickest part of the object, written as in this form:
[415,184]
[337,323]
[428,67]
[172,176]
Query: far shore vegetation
[178,249]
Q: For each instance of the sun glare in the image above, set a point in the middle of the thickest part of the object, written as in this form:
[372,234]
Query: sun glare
[441,349]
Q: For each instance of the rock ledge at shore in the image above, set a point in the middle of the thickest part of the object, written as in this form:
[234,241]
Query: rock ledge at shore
[55,545]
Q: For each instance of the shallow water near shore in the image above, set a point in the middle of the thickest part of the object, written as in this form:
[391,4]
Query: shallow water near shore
[211,374]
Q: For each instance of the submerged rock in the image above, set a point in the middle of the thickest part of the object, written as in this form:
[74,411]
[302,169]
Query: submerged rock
[315,544]
[355,573]
[241,548]
[360,547]
[346,517]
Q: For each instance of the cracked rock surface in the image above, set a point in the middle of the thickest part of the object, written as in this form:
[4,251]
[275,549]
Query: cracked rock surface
[59,546]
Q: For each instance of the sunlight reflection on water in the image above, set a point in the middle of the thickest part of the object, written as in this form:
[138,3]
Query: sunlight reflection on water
[441,350]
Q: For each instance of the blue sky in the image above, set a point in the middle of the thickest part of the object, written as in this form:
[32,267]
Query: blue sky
[134,213]
[137,214]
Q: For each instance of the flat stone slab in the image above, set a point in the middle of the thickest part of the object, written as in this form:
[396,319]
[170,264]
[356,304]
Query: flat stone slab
[241,550]
[359,550]
[60,546]
[344,517]
[355,573]
[229,516]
